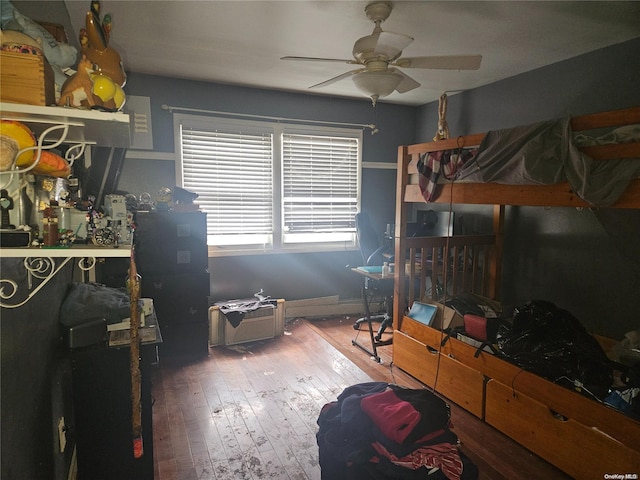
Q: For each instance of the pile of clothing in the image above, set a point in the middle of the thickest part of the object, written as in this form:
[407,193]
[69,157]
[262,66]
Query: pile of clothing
[377,430]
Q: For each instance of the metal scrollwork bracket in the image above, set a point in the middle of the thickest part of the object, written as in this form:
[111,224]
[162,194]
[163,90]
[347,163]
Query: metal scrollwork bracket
[40,270]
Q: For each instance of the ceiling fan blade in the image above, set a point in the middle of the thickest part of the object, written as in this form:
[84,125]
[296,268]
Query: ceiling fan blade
[406,84]
[337,79]
[316,59]
[391,44]
[448,62]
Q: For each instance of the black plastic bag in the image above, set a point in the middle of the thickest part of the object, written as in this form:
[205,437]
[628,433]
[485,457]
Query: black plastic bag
[552,343]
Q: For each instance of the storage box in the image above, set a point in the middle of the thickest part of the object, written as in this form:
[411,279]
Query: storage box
[26,78]
[445,317]
[260,324]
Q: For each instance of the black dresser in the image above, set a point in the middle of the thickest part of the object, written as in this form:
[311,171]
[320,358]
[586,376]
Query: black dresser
[101,386]
[172,258]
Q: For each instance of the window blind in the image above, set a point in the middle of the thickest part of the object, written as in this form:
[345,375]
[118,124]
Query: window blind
[320,186]
[271,185]
[232,172]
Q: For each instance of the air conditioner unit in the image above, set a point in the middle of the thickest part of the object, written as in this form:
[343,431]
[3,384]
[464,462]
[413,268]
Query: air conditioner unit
[259,324]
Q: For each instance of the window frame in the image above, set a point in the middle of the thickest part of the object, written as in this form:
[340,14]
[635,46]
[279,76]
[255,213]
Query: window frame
[277,129]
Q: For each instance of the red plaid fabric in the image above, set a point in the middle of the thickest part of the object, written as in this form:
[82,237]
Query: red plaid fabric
[433,164]
[444,456]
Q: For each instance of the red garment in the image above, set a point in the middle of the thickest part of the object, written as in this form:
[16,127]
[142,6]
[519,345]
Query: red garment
[444,456]
[395,418]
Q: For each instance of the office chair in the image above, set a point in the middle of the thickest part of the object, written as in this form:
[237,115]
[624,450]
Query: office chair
[372,255]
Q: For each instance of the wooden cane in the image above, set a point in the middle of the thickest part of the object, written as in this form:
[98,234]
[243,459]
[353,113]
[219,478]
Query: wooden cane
[136,401]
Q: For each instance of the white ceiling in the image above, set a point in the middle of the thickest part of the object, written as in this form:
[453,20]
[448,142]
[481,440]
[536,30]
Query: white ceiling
[241,42]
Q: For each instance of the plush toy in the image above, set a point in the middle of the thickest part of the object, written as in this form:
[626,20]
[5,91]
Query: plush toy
[59,55]
[94,41]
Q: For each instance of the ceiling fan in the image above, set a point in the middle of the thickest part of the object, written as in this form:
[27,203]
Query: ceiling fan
[379,54]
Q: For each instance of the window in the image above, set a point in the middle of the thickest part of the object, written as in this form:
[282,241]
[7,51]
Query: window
[270,185]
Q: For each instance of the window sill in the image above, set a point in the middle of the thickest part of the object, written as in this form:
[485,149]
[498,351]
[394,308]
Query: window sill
[234,251]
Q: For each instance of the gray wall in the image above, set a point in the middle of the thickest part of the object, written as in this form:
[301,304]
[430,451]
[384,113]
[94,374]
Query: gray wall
[290,276]
[34,380]
[586,261]
[35,376]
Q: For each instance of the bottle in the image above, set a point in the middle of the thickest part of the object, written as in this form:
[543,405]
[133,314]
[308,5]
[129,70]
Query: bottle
[50,227]
[25,206]
[385,269]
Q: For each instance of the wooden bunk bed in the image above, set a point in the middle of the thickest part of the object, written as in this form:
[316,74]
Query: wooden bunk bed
[582,437]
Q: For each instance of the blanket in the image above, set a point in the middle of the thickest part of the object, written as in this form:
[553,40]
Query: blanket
[543,153]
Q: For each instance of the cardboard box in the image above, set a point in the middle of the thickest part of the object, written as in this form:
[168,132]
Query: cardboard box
[446,318]
[26,78]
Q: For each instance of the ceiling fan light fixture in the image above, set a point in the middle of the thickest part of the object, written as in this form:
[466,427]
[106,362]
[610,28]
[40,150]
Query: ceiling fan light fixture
[379,56]
[377,84]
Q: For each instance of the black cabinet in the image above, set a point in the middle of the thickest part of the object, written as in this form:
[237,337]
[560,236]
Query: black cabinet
[101,386]
[172,258]
[171,242]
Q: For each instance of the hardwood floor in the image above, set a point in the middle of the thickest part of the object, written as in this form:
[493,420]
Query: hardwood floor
[250,412]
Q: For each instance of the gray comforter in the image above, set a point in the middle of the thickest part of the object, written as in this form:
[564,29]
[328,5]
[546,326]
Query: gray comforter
[544,153]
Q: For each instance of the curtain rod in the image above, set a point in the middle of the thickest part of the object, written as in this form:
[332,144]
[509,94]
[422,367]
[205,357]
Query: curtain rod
[371,126]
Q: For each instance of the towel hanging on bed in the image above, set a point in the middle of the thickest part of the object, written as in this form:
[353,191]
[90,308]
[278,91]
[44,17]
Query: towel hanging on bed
[446,162]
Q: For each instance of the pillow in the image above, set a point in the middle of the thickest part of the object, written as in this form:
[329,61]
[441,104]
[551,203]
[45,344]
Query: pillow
[60,54]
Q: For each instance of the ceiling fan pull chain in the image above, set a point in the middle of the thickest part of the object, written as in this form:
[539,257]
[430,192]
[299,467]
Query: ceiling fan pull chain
[374,130]
[443,128]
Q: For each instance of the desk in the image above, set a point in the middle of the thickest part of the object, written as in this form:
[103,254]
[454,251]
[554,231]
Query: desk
[366,299]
